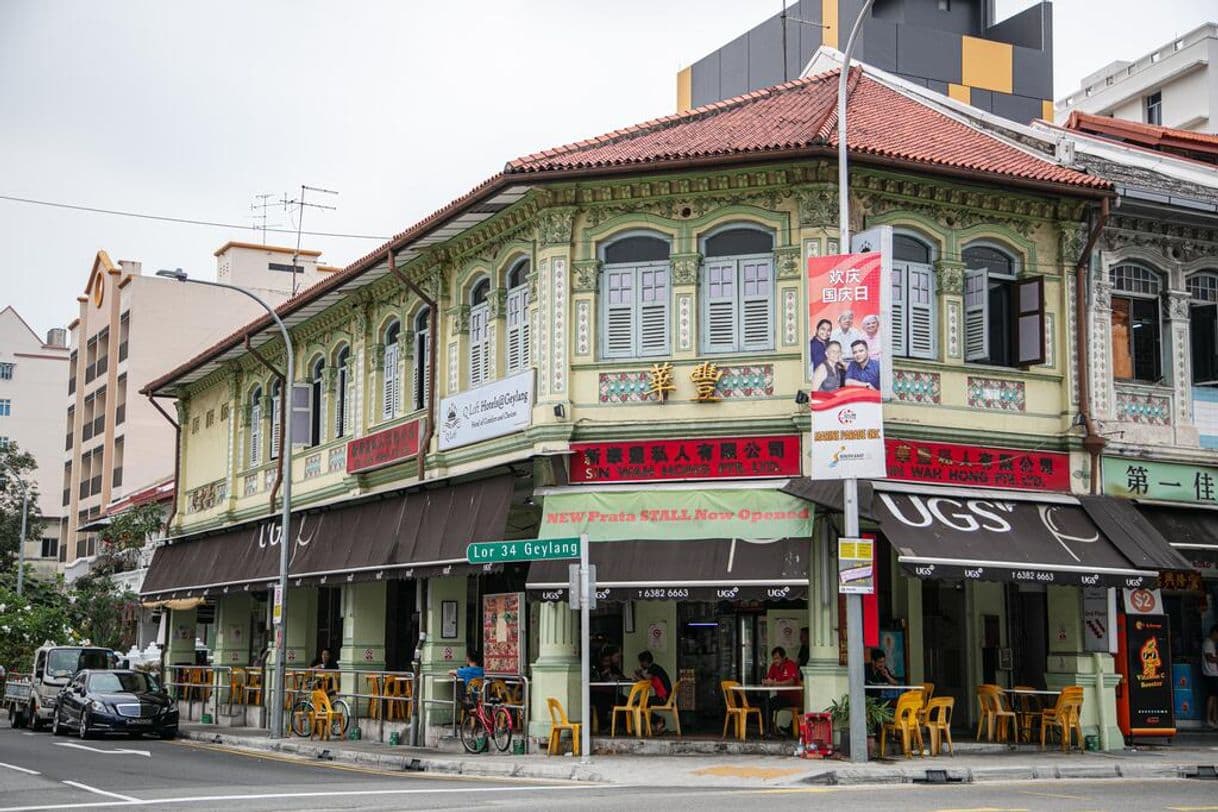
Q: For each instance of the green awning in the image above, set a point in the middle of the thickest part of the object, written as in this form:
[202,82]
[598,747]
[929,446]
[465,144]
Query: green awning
[676,515]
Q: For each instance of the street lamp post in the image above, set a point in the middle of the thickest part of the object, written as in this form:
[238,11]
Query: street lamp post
[277,687]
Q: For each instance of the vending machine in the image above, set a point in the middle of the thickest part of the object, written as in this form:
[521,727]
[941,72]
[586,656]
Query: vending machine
[1143,659]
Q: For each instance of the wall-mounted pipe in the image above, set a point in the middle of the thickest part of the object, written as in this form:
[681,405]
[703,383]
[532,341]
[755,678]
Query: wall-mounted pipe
[177,460]
[1093,441]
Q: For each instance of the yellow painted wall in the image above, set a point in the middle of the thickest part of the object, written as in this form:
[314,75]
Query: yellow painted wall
[986,64]
[829,33]
[960,93]
[684,89]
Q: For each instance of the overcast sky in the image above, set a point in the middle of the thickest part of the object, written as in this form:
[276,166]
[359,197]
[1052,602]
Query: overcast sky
[191,109]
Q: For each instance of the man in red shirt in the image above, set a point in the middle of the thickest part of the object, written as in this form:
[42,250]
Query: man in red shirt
[783,672]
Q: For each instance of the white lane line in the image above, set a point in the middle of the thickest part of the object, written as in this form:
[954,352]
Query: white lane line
[28,734]
[288,795]
[97,791]
[19,769]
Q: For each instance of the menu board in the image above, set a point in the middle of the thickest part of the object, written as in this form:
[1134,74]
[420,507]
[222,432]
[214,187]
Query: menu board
[503,639]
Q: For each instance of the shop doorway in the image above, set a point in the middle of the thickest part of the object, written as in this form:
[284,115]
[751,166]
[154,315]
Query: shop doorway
[943,640]
[401,624]
[1028,634]
[329,621]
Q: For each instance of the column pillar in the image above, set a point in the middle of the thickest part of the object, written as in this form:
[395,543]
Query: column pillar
[1068,664]
[555,672]
[949,278]
[441,655]
[1177,304]
[232,636]
[301,625]
[363,646]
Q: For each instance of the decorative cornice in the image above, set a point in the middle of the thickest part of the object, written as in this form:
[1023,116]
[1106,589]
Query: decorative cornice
[1176,242]
[685,268]
[949,277]
[460,316]
[787,260]
[1177,303]
[584,273]
[818,205]
[555,225]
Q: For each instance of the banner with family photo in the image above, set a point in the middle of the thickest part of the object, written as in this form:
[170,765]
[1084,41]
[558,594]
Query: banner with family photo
[849,357]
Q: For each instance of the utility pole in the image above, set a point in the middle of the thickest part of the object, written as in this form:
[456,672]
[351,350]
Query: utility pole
[300,207]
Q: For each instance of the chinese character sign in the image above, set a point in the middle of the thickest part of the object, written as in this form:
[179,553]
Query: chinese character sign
[847,324]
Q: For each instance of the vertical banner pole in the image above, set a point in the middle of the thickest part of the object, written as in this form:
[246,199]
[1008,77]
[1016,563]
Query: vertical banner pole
[585,657]
[854,638]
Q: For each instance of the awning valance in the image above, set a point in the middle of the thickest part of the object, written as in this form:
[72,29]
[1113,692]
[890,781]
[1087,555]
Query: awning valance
[408,534]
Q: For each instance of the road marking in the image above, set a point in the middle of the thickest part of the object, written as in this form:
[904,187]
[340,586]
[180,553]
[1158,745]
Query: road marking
[28,734]
[1193,808]
[19,769]
[97,791]
[120,751]
[741,771]
[1054,795]
[984,809]
[271,796]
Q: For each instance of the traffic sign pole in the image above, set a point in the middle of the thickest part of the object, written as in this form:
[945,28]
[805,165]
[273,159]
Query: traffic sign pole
[585,641]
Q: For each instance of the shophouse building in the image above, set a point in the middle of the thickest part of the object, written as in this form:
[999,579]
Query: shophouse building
[610,338]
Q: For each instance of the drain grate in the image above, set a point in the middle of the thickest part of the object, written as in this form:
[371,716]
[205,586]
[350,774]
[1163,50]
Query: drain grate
[1206,772]
[325,755]
[413,766]
[938,777]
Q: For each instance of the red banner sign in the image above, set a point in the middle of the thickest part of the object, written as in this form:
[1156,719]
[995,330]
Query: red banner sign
[706,458]
[384,447]
[977,466]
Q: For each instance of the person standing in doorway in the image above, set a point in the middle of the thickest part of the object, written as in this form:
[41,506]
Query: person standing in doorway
[1209,670]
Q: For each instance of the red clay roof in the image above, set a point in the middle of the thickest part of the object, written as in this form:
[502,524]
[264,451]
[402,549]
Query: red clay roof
[1201,146]
[802,115]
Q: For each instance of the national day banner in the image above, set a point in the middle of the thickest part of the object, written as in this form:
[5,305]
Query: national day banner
[849,356]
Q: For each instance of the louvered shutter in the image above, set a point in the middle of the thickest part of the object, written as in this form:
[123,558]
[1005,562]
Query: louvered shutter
[719,304]
[920,303]
[391,388]
[976,316]
[619,312]
[421,360]
[275,422]
[517,349]
[899,311]
[653,310]
[479,361]
[255,433]
[756,304]
[348,403]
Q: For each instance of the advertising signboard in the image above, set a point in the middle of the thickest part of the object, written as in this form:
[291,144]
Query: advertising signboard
[1144,699]
[855,566]
[696,458]
[382,448]
[977,466]
[849,353]
[498,408]
[503,633]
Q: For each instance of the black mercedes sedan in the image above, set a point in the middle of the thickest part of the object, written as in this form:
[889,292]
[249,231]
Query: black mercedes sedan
[98,702]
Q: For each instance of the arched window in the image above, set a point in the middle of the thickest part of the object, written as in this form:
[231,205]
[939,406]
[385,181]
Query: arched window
[391,387]
[914,304]
[422,356]
[1203,326]
[255,435]
[479,334]
[276,416]
[1137,347]
[344,399]
[634,297]
[737,291]
[1003,316]
[517,303]
[317,372]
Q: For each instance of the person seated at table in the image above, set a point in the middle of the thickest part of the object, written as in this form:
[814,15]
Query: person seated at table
[324,660]
[472,670]
[877,673]
[661,685]
[607,668]
[782,673]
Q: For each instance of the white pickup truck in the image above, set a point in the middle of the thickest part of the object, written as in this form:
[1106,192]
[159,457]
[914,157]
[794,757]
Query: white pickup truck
[31,699]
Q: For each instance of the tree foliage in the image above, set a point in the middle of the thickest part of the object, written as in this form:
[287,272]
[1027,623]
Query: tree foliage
[120,541]
[16,476]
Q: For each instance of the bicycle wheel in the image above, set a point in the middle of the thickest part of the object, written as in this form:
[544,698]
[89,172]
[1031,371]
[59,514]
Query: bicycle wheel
[302,718]
[502,729]
[341,720]
[473,737]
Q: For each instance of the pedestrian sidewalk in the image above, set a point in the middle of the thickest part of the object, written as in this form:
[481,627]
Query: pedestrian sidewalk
[1187,758]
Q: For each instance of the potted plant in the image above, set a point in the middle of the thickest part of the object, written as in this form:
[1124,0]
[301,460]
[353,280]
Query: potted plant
[877,714]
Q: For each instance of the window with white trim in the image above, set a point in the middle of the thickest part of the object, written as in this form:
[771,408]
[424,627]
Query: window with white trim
[914,304]
[1203,327]
[317,372]
[634,297]
[6,372]
[255,435]
[422,356]
[342,392]
[1137,346]
[479,333]
[1003,312]
[517,305]
[276,416]
[391,384]
[737,291]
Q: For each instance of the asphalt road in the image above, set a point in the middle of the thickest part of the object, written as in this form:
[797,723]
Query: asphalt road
[38,771]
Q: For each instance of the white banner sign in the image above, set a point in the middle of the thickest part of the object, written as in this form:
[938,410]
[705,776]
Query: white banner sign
[1099,616]
[498,408]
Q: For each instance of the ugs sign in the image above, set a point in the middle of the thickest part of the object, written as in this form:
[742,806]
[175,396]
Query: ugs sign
[270,533]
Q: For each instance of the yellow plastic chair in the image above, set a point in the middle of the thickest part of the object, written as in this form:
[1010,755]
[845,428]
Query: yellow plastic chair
[669,706]
[905,722]
[251,691]
[1064,716]
[237,680]
[374,691]
[1028,708]
[1001,714]
[738,710]
[938,722]
[323,715]
[558,723]
[636,702]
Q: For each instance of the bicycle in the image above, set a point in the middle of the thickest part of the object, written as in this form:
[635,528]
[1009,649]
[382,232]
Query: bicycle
[303,713]
[481,724]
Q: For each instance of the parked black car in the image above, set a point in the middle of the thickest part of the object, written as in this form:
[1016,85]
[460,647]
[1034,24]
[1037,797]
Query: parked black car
[98,702]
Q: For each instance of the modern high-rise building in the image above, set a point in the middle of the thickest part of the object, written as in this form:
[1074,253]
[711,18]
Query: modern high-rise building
[957,47]
[132,327]
[33,373]
[1175,86]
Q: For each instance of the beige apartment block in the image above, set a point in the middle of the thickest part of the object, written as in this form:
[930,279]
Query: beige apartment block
[132,327]
[33,375]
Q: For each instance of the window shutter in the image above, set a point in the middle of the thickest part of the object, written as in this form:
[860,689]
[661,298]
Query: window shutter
[900,312]
[479,364]
[255,433]
[421,359]
[302,413]
[1030,321]
[275,420]
[390,385]
[920,303]
[340,404]
[756,304]
[517,350]
[719,289]
[653,310]
[976,316]
[348,403]
[619,313]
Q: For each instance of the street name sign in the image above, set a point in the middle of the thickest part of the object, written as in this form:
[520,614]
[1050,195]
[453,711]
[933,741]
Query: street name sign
[495,552]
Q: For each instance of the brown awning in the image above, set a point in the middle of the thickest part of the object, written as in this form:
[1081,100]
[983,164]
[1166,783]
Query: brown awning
[408,534]
[827,494]
[705,569]
[1133,534]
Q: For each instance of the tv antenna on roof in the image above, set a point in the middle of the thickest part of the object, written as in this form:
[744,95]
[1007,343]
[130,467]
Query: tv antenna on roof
[300,205]
[260,208]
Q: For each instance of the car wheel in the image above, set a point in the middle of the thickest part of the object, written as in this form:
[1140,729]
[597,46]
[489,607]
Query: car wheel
[169,733]
[83,730]
[16,718]
[57,728]
[36,724]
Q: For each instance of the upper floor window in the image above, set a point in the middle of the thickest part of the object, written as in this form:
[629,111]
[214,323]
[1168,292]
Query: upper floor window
[479,333]
[343,397]
[391,386]
[1003,314]
[422,357]
[1136,341]
[276,416]
[1154,108]
[1203,326]
[634,297]
[256,426]
[317,373]
[738,291]
[6,407]
[6,372]
[914,305]
[517,304]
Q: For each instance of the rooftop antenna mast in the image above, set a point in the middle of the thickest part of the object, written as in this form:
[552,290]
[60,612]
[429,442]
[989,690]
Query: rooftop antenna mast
[300,207]
[260,209]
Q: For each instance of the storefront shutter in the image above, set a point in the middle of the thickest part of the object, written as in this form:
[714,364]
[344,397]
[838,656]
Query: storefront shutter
[719,306]
[900,312]
[619,313]
[653,310]
[757,322]
[920,300]
[517,329]
[976,316]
